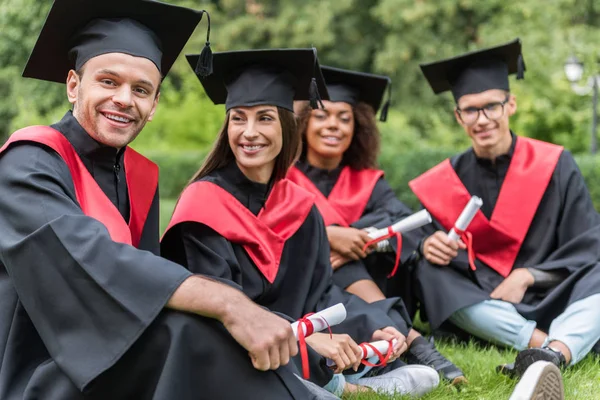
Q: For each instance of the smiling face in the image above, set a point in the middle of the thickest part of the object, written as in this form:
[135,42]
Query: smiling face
[114,97]
[255,137]
[489,137]
[329,133]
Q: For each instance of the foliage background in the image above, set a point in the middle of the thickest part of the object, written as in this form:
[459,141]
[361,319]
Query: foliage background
[381,36]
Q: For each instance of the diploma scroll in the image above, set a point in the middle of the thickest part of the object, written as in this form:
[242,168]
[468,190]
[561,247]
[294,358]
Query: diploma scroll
[368,350]
[465,218]
[321,320]
[381,345]
[407,224]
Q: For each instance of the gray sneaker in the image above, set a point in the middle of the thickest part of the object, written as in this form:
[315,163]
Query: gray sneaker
[541,381]
[423,352]
[317,392]
[413,380]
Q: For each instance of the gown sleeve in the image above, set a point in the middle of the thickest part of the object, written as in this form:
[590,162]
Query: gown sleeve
[578,231]
[383,210]
[363,318]
[207,252]
[88,297]
[203,251]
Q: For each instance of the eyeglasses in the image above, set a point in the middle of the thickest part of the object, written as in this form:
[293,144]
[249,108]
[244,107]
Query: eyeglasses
[492,111]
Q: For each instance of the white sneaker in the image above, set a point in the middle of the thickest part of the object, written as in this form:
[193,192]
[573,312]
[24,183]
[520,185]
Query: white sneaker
[541,381]
[413,380]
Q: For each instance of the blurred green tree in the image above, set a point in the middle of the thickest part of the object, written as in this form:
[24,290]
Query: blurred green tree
[382,36]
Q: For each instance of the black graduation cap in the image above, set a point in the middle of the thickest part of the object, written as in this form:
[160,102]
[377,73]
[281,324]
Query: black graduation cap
[351,87]
[477,71]
[77,30]
[276,77]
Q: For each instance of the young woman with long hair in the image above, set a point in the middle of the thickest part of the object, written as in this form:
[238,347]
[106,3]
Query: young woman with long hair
[241,222]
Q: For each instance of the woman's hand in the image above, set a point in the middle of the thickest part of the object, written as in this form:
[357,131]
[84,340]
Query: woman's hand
[348,242]
[337,260]
[391,333]
[340,348]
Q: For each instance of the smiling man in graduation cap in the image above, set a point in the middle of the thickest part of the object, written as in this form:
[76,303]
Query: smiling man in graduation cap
[89,310]
[534,282]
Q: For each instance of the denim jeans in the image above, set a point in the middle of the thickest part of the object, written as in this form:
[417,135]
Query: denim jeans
[497,321]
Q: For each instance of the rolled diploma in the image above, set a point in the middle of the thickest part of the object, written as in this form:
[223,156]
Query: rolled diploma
[407,224]
[465,218]
[381,345]
[328,317]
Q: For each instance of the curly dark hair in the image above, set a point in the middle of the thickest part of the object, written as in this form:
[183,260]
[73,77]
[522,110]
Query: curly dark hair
[364,148]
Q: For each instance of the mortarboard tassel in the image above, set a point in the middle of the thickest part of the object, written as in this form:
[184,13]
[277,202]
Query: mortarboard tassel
[520,67]
[314,96]
[384,111]
[386,106]
[204,67]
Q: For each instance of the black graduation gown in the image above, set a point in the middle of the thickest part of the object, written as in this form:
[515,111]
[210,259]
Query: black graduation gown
[81,316]
[303,283]
[564,237]
[382,210]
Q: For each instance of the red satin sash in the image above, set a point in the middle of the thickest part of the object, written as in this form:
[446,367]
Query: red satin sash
[497,241]
[262,236]
[141,175]
[347,201]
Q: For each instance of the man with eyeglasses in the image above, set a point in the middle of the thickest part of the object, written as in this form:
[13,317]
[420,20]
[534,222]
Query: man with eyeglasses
[526,274]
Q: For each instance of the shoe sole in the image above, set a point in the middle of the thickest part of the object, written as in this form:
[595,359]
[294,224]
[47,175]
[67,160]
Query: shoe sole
[542,381]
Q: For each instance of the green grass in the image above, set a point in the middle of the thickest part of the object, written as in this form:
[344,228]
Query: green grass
[166,210]
[582,382]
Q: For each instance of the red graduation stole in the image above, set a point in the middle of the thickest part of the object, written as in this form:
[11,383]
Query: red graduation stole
[348,199]
[497,241]
[141,175]
[263,236]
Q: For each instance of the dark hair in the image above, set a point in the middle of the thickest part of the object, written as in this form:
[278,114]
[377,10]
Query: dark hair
[80,71]
[221,154]
[364,148]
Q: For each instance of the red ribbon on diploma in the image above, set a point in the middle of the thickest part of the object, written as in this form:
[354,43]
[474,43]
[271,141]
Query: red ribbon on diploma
[389,235]
[310,329]
[468,239]
[382,359]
